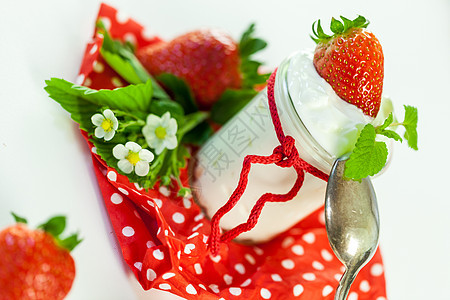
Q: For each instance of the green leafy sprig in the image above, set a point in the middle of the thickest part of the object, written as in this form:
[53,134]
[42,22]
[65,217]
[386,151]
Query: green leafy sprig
[131,105]
[370,155]
[144,96]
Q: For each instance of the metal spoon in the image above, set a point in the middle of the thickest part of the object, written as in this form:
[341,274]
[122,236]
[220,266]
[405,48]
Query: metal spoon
[352,223]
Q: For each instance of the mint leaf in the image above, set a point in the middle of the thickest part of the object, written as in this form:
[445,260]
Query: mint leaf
[82,102]
[410,123]
[386,123]
[368,157]
[392,135]
[180,91]
[19,219]
[231,102]
[55,226]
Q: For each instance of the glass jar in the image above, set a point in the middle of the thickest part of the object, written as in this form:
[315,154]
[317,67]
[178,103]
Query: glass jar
[218,164]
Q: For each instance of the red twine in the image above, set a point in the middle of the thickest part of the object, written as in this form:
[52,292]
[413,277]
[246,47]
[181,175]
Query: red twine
[284,155]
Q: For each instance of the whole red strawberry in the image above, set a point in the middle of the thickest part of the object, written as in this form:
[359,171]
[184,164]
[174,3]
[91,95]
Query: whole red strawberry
[36,264]
[352,62]
[208,60]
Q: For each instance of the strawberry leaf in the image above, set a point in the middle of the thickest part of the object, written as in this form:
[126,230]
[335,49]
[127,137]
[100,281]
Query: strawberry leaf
[231,102]
[55,226]
[199,135]
[19,219]
[160,107]
[82,102]
[248,44]
[368,157]
[121,58]
[180,91]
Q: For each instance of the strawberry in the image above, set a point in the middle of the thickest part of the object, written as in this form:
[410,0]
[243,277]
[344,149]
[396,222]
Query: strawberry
[352,62]
[36,264]
[210,62]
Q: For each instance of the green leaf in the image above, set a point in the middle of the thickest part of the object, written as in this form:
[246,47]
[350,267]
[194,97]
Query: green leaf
[82,102]
[347,23]
[70,242]
[250,75]
[191,121]
[392,135]
[180,91]
[55,226]
[19,219]
[248,44]
[386,123]
[410,123]
[360,22]
[160,107]
[124,68]
[368,157]
[121,58]
[231,102]
[199,135]
[336,26]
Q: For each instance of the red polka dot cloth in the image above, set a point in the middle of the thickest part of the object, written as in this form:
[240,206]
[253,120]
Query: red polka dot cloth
[163,237]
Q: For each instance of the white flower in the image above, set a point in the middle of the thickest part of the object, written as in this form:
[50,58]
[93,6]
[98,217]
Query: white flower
[160,132]
[132,156]
[106,124]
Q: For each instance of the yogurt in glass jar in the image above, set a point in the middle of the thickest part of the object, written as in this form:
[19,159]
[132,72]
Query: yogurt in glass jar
[324,127]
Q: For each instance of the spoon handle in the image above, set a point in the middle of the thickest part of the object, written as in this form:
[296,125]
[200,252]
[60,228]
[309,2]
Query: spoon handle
[344,285]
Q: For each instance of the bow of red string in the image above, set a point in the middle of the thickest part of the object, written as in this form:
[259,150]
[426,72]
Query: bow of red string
[284,155]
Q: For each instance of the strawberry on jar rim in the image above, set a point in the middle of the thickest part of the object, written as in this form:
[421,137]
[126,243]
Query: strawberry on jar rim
[352,62]
[36,263]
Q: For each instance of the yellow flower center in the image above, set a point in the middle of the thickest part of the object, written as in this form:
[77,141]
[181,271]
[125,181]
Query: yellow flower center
[107,125]
[160,132]
[133,158]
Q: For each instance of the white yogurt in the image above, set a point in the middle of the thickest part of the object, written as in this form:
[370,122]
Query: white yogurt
[327,128]
[334,123]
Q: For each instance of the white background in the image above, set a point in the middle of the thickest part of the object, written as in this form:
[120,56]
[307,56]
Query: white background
[45,166]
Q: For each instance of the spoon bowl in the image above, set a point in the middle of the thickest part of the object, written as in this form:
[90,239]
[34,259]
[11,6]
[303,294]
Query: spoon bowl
[352,223]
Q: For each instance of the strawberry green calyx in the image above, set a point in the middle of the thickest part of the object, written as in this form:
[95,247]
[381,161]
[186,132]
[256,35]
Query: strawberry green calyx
[19,219]
[337,27]
[248,46]
[55,227]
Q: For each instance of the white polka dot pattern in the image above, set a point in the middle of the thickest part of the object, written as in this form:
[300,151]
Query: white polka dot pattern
[128,231]
[293,265]
[116,198]
[235,291]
